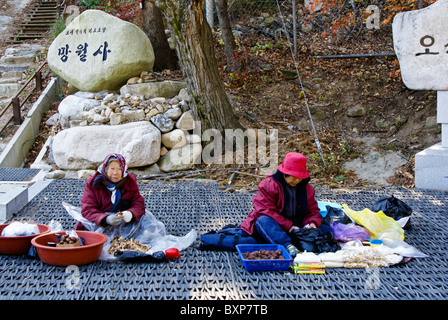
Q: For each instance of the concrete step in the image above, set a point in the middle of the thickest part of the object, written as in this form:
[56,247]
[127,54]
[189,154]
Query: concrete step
[19,60]
[9,88]
[9,80]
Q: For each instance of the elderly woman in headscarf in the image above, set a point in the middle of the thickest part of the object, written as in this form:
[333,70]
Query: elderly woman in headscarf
[111,195]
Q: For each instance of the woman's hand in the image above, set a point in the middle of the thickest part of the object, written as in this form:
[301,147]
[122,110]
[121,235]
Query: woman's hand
[293,228]
[114,219]
[311,226]
[127,216]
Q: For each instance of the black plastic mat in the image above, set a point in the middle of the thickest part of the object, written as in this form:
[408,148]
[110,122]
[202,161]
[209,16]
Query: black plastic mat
[183,205]
[17,174]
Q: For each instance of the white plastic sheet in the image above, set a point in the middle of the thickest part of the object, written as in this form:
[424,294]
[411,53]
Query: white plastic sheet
[147,230]
[19,229]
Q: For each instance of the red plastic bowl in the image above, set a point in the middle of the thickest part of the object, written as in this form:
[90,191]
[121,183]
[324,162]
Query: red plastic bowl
[65,256]
[19,245]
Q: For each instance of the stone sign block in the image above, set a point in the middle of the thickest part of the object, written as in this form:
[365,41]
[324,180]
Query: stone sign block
[98,51]
[421,45]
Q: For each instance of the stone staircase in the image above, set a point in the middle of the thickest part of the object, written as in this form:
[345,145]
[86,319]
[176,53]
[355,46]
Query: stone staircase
[20,56]
[13,65]
[37,22]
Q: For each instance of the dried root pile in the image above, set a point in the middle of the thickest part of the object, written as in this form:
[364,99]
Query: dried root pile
[120,244]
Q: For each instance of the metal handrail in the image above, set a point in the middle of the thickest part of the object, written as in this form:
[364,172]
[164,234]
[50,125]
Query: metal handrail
[37,76]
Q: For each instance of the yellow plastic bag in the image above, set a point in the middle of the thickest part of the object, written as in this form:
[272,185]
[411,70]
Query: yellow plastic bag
[378,224]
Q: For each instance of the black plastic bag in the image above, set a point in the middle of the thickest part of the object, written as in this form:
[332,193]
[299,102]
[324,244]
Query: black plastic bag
[335,215]
[313,240]
[134,256]
[392,207]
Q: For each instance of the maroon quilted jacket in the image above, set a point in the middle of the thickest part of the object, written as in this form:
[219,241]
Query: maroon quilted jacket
[96,200]
[269,201]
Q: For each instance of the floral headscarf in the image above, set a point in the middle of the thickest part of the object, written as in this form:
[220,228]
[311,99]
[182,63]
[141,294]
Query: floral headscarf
[113,157]
[105,180]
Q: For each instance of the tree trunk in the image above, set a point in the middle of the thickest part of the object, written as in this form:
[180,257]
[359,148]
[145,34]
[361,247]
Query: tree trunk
[195,50]
[226,33]
[153,26]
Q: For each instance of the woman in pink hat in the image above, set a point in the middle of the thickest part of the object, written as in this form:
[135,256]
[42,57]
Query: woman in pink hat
[284,202]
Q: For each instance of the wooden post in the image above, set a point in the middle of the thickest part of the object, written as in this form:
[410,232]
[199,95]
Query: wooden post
[38,81]
[16,111]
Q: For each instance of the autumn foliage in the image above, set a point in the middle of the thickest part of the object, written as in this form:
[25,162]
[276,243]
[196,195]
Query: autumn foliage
[350,11]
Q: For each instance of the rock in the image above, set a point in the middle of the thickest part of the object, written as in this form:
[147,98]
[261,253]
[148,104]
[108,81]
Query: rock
[163,151]
[186,121]
[85,174]
[45,167]
[193,138]
[167,89]
[85,147]
[376,167]
[53,120]
[88,115]
[419,38]
[174,139]
[181,158]
[133,80]
[133,115]
[71,107]
[115,118]
[317,114]
[98,118]
[57,174]
[174,113]
[356,111]
[432,124]
[162,122]
[289,74]
[151,113]
[183,95]
[94,52]
[146,171]
[157,100]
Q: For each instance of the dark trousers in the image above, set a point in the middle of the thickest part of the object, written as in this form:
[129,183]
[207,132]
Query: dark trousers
[270,231]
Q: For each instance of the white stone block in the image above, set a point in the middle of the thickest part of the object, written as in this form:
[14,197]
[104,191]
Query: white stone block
[13,197]
[442,106]
[445,135]
[431,168]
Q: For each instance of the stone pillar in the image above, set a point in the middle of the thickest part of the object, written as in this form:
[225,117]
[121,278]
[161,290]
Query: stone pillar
[421,45]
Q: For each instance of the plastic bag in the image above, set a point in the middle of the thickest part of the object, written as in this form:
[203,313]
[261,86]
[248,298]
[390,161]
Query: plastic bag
[133,256]
[378,224]
[402,248]
[20,229]
[312,240]
[392,207]
[349,232]
[335,215]
[147,230]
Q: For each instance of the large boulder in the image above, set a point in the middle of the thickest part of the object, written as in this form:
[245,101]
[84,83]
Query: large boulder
[71,107]
[98,51]
[86,147]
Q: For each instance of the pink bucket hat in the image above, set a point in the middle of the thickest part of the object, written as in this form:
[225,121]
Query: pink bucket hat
[294,165]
